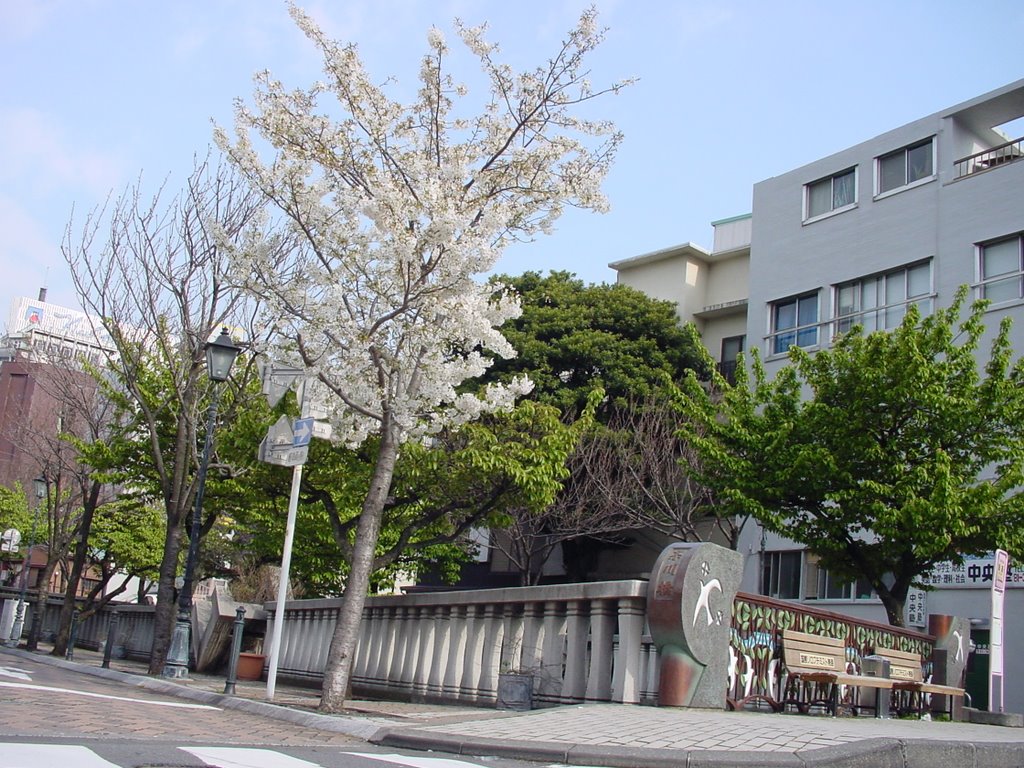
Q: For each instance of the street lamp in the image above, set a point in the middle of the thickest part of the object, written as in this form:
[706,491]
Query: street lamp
[26,566]
[220,356]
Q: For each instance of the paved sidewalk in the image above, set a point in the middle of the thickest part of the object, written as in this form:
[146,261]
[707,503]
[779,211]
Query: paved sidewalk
[602,734]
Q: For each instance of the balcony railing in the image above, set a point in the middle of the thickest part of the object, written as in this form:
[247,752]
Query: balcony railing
[1009,152]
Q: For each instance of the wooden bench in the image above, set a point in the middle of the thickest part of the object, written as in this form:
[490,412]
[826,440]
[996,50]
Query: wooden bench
[905,669]
[822,660]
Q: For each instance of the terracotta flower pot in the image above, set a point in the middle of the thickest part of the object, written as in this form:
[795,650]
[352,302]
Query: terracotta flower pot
[250,666]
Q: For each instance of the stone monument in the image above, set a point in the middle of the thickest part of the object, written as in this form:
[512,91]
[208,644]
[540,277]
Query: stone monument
[689,610]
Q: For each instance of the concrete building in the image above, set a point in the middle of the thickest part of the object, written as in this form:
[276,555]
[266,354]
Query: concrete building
[40,337]
[903,218]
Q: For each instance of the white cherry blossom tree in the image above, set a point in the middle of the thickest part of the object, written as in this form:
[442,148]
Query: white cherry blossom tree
[401,208]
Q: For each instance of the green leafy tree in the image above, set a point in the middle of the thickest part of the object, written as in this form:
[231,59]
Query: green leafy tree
[883,455]
[572,338]
[461,479]
[14,515]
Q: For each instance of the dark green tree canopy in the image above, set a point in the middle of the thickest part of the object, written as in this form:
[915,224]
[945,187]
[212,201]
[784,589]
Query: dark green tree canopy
[572,338]
[884,455]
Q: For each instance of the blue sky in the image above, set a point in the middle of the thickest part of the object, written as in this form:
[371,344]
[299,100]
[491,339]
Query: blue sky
[95,93]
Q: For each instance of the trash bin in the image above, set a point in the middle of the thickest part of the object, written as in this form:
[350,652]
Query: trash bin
[878,666]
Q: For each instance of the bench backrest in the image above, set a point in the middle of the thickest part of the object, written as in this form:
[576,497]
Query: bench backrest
[903,665]
[803,651]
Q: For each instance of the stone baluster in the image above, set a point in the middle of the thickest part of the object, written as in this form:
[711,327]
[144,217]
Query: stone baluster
[577,629]
[363,644]
[626,680]
[531,653]
[382,622]
[602,636]
[457,639]
[425,627]
[398,655]
[469,687]
[494,630]
[553,652]
[389,648]
[303,641]
[512,645]
[439,657]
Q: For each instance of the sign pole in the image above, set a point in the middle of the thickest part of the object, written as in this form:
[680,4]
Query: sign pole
[996,684]
[282,587]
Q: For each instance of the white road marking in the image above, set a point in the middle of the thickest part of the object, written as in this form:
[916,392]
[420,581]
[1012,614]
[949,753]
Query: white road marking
[417,762]
[243,757]
[46,755]
[17,674]
[105,696]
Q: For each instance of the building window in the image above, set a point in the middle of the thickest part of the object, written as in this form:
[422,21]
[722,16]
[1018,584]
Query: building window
[794,322]
[831,194]
[732,346]
[821,584]
[905,166]
[1001,269]
[780,574]
[881,301]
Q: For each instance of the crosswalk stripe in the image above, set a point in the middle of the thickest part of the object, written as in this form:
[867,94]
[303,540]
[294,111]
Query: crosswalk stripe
[37,755]
[90,694]
[245,757]
[417,762]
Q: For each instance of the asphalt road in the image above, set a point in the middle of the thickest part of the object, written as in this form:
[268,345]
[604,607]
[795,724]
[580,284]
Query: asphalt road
[54,718]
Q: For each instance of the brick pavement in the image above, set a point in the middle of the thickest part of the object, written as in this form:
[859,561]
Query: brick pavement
[592,734]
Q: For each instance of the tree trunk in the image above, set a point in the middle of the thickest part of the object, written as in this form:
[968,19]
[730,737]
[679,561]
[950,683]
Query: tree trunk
[894,601]
[338,670]
[166,606]
[60,644]
[42,586]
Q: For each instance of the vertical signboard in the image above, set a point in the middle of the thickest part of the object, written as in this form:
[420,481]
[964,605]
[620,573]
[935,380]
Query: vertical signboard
[995,676]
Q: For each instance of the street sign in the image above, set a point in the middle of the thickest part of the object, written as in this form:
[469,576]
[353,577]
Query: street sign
[302,432]
[322,430]
[277,380]
[9,540]
[279,447]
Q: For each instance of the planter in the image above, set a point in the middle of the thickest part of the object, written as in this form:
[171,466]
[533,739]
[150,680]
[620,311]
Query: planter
[250,666]
[515,691]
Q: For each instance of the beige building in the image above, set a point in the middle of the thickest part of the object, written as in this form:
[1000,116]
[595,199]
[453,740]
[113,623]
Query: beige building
[709,288]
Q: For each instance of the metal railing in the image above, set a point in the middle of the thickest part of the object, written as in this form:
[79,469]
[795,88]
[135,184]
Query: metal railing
[1009,152]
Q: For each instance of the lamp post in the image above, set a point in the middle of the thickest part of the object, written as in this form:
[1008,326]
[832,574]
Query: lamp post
[26,566]
[220,356]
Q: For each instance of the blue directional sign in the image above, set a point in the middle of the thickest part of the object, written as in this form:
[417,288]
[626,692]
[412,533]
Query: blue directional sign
[302,432]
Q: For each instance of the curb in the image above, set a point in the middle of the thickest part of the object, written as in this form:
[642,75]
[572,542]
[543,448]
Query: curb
[869,753]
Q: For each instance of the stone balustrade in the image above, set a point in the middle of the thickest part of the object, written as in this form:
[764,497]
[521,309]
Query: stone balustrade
[581,642]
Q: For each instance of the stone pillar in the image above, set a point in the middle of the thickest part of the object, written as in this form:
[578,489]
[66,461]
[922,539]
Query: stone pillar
[439,657]
[549,684]
[689,609]
[577,630]
[456,653]
[494,630]
[424,653]
[402,632]
[388,637]
[414,633]
[949,662]
[469,687]
[626,678]
[512,644]
[530,657]
[602,637]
